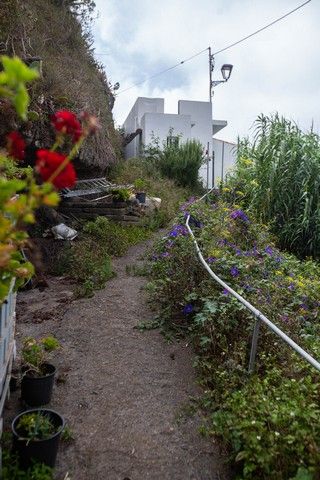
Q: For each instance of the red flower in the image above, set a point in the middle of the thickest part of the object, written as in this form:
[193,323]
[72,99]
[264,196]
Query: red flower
[48,162]
[67,123]
[16,145]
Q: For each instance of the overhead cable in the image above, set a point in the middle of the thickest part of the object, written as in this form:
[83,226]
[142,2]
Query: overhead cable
[218,51]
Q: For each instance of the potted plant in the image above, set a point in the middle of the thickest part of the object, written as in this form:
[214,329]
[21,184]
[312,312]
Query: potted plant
[121,194]
[36,435]
[140,186]
[37,374]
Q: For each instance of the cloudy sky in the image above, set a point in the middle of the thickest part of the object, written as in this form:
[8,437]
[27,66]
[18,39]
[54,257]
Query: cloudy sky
[276,70]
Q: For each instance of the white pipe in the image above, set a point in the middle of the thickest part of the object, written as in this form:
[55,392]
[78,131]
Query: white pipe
[248,305]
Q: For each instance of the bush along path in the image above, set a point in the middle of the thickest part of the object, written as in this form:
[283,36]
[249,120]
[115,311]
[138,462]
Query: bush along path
[125,393]
[269,420]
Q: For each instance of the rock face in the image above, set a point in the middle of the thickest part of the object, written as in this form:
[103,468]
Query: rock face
[71,77]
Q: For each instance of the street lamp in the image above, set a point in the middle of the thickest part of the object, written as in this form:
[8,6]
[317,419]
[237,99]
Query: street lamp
[226,70]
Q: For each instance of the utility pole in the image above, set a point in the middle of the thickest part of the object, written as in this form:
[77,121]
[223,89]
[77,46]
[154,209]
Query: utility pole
[211,67]
[226,70]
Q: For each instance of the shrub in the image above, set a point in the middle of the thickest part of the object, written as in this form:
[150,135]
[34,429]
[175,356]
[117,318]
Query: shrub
[277,179]
[180,163]
[269,420]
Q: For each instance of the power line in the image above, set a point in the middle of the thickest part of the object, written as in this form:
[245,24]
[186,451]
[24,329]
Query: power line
[261,29]
[219,51]
[164,71]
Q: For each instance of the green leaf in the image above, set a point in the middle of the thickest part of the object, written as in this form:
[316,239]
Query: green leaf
[21,101]
[9,187]
[302,474]
[17,71]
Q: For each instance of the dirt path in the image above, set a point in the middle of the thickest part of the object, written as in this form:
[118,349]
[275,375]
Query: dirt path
[121,390]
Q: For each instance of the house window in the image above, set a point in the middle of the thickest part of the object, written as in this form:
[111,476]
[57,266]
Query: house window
[172,141]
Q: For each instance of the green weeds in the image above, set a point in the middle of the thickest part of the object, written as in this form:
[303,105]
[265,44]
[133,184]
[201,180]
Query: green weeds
[268,420]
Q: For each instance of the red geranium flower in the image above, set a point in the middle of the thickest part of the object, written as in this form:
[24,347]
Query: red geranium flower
[66,122]
[47,163]
[16,145]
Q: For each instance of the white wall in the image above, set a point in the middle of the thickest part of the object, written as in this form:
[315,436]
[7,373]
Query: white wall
[225,155]
[133,120]
[201,128]
[193,121]
[160,124]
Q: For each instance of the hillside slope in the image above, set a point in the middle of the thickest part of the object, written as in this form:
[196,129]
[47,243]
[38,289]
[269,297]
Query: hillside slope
[71,78]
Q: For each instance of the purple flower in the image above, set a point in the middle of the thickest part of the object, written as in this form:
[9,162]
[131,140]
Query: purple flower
[285,318]
[303,306]
[187,309]
[268,250]
[225,292]
[278,259]
[165,254]
[222,242]
[234,271]
[239,214]
[211,259]
[291,286]
[178,230]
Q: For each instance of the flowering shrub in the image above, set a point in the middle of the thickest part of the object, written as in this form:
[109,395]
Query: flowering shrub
[270,420]
[20,192]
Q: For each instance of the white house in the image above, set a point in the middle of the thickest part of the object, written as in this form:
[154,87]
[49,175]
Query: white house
[147,120]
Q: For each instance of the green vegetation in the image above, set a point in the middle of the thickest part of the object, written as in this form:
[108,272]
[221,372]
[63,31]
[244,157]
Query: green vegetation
[135,169]
[140,185]
[35,426]
[121,194]
[67,435]
[35,352]
[179,162]
[88,260]
[277,179]
[269,420]
[114,237]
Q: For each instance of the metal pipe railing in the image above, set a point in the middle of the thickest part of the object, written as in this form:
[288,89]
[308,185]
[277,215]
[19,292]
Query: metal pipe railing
[258,315]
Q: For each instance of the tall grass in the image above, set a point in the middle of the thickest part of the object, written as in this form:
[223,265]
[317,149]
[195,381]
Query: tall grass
[279,175]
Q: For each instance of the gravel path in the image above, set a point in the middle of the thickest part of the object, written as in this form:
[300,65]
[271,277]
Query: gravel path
[121,390]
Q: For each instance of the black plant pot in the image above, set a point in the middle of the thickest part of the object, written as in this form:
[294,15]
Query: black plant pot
[42,451]
[141,196]
[37,391]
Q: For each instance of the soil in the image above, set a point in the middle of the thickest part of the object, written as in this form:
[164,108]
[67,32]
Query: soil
[124,393]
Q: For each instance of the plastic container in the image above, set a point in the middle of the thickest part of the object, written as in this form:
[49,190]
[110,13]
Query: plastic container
[42,451]
[37,391]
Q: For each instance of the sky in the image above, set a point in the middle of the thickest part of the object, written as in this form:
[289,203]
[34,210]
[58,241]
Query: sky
[277,70]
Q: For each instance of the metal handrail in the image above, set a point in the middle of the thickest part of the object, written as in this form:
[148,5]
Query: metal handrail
[258,315]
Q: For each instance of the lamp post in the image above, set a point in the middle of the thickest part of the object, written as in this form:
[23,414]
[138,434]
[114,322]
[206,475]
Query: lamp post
[226,70]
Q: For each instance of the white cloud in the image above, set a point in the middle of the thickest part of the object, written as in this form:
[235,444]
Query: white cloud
[277,70]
